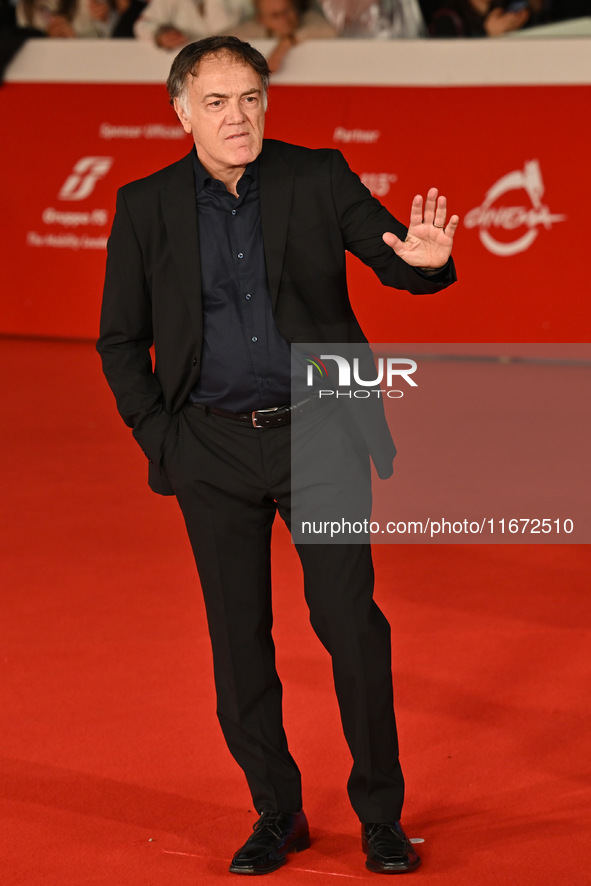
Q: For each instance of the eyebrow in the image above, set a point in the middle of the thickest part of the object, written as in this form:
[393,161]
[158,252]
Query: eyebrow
[253,91]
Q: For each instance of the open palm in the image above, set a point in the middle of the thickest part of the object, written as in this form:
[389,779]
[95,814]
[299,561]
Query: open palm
[429,239]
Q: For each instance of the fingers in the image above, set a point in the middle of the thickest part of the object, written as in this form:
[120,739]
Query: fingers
[435,209]
[432,215]
[440,213]
[430,206]
[416,211]
[435,212]
[452,225]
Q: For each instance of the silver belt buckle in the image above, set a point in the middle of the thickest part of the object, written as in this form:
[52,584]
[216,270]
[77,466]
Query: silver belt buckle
[257,411]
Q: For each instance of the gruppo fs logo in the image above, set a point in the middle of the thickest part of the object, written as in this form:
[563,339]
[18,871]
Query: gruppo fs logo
[85,174]
[523,220]
[388,370]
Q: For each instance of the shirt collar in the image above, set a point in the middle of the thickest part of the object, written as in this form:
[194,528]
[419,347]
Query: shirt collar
[202,176]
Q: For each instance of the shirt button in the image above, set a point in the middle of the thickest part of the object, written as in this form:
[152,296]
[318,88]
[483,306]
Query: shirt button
[233,212]
[240,255]
[254,338]
[248,296]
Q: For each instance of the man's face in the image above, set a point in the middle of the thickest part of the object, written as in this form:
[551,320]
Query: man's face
[224,111]
[278,16]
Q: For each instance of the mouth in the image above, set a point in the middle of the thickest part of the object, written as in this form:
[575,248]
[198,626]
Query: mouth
[237,135]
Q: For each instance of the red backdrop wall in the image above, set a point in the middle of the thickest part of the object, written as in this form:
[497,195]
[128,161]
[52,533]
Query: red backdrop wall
[513,161]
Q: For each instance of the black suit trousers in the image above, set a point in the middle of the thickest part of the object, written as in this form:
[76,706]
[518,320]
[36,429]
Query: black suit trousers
[230,480]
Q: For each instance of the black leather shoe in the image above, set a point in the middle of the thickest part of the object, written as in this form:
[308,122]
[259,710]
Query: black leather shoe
[275,834]
[389,851]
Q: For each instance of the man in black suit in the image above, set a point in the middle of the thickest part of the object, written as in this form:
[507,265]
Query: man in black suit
[222,261]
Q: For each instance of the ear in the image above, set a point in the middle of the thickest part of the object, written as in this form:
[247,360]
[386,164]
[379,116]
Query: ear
[181,114]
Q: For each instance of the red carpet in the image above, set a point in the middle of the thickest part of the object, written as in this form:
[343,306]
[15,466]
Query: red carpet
[112,766]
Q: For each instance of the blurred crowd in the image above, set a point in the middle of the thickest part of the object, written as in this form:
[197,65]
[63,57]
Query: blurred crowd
[486,18]
[170,24]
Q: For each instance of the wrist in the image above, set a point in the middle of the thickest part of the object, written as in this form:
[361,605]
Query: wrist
[430,271]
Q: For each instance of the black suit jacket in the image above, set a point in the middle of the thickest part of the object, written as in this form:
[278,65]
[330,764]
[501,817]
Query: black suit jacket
[313,209]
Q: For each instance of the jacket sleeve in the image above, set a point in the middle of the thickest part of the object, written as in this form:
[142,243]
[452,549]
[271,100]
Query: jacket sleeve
[363,220]
[126,337]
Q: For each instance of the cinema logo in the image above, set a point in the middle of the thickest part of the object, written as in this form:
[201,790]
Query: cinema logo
[498,220]
[389,371]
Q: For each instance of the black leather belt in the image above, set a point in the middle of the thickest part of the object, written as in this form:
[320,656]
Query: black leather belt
[259,418]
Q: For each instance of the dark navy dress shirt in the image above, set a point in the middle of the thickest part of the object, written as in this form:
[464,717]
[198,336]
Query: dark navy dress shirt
[245,363]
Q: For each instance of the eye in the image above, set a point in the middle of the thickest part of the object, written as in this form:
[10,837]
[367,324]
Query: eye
[217,103]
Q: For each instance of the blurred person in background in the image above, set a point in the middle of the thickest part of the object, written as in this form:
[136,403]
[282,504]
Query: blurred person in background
[127,11]
[559,10]
[289,21]
[375,18]
[11,37]
[171,24]
[79,18]
[7,16]
[479,18]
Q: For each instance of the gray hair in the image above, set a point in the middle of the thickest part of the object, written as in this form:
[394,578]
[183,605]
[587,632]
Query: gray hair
[186,64]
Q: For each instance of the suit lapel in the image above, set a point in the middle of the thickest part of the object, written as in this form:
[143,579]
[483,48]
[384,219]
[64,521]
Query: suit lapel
[179,208]
[276,185]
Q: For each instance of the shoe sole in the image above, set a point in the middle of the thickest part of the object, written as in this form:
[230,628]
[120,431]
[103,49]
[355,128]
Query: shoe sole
[378,868]
[297,846]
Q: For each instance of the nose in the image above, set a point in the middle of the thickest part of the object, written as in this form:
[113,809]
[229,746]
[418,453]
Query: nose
[235,113]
